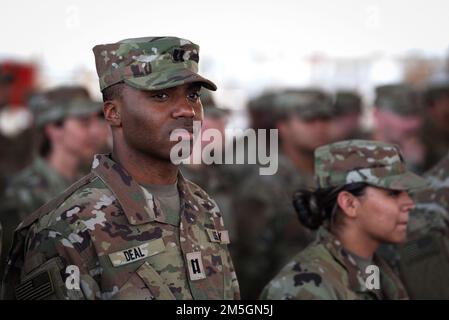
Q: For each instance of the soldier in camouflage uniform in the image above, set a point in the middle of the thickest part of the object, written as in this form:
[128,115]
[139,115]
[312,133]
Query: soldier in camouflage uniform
[361,200]
[398,119]
[268,231]
[348,112]
[435,133]
[68,122]
[424,258]
[133,227]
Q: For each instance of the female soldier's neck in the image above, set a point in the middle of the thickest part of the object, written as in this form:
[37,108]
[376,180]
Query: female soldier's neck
[357,242]
[145,169]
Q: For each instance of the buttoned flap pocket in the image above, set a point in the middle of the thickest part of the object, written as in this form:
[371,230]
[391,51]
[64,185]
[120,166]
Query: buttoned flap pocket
[144,284]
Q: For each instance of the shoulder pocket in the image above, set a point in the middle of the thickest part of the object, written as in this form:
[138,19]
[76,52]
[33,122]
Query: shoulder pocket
[45,282]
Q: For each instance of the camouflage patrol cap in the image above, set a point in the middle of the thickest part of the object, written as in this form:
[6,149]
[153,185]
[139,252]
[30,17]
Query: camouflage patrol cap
[149,63]
[263,102]
[399,99]
[347,102]
[376,163]
[307,103]
[62,102]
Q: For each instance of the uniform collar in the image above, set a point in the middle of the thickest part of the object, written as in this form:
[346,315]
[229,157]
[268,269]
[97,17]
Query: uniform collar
[138,204]
[390,285]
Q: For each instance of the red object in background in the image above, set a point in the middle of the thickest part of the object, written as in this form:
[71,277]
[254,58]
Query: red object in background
[23,81]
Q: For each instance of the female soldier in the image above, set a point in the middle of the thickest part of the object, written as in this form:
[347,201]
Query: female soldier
[361,201]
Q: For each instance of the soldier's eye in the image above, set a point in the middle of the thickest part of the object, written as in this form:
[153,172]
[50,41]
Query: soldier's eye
[160,96]
[194,96]
[394,193]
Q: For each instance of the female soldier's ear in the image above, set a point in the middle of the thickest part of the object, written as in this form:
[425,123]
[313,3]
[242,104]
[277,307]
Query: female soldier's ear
[111,111]
[348,204]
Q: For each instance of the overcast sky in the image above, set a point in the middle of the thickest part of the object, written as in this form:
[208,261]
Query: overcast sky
[236,37]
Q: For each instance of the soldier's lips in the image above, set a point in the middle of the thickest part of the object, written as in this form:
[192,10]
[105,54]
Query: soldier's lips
[402,224]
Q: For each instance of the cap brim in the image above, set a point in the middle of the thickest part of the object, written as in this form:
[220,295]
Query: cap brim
[315,113]
[159,80]
[215,111]
[85,109]
[407,181]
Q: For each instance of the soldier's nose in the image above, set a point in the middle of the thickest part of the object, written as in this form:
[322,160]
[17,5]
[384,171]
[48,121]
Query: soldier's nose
[184,109]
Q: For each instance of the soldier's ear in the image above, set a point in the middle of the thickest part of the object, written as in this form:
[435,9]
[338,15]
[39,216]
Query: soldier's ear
[348,203]
[111,110]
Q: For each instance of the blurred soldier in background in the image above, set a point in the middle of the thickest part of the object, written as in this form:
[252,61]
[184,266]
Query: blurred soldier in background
[398,119]
[435,134]
[260,113]
[347,121]
[71,130]
[268,232]
[424,258]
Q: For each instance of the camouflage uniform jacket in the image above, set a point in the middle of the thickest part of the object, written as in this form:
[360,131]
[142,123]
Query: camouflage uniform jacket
[116,234]
[432,203]
[423,260]
[33,187]
[29,190]
[324,270]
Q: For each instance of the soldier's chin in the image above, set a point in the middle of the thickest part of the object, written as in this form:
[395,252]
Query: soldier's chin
[400,235]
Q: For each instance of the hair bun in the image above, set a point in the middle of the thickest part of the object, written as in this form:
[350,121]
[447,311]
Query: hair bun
[307,208]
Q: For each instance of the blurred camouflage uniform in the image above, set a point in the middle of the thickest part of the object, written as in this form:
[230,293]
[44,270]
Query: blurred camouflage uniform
[113,229]
[424,258]
[39,182]
[268,231]
[436,139]
[326,270]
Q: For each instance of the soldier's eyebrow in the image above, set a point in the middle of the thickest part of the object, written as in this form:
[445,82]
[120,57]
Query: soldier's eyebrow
[194,87]
[155,92]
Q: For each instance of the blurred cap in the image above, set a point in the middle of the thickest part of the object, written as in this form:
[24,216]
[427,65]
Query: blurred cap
[210,108]
[307,103]
[263,102]
[399,99]
[347,102]
[62,102]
